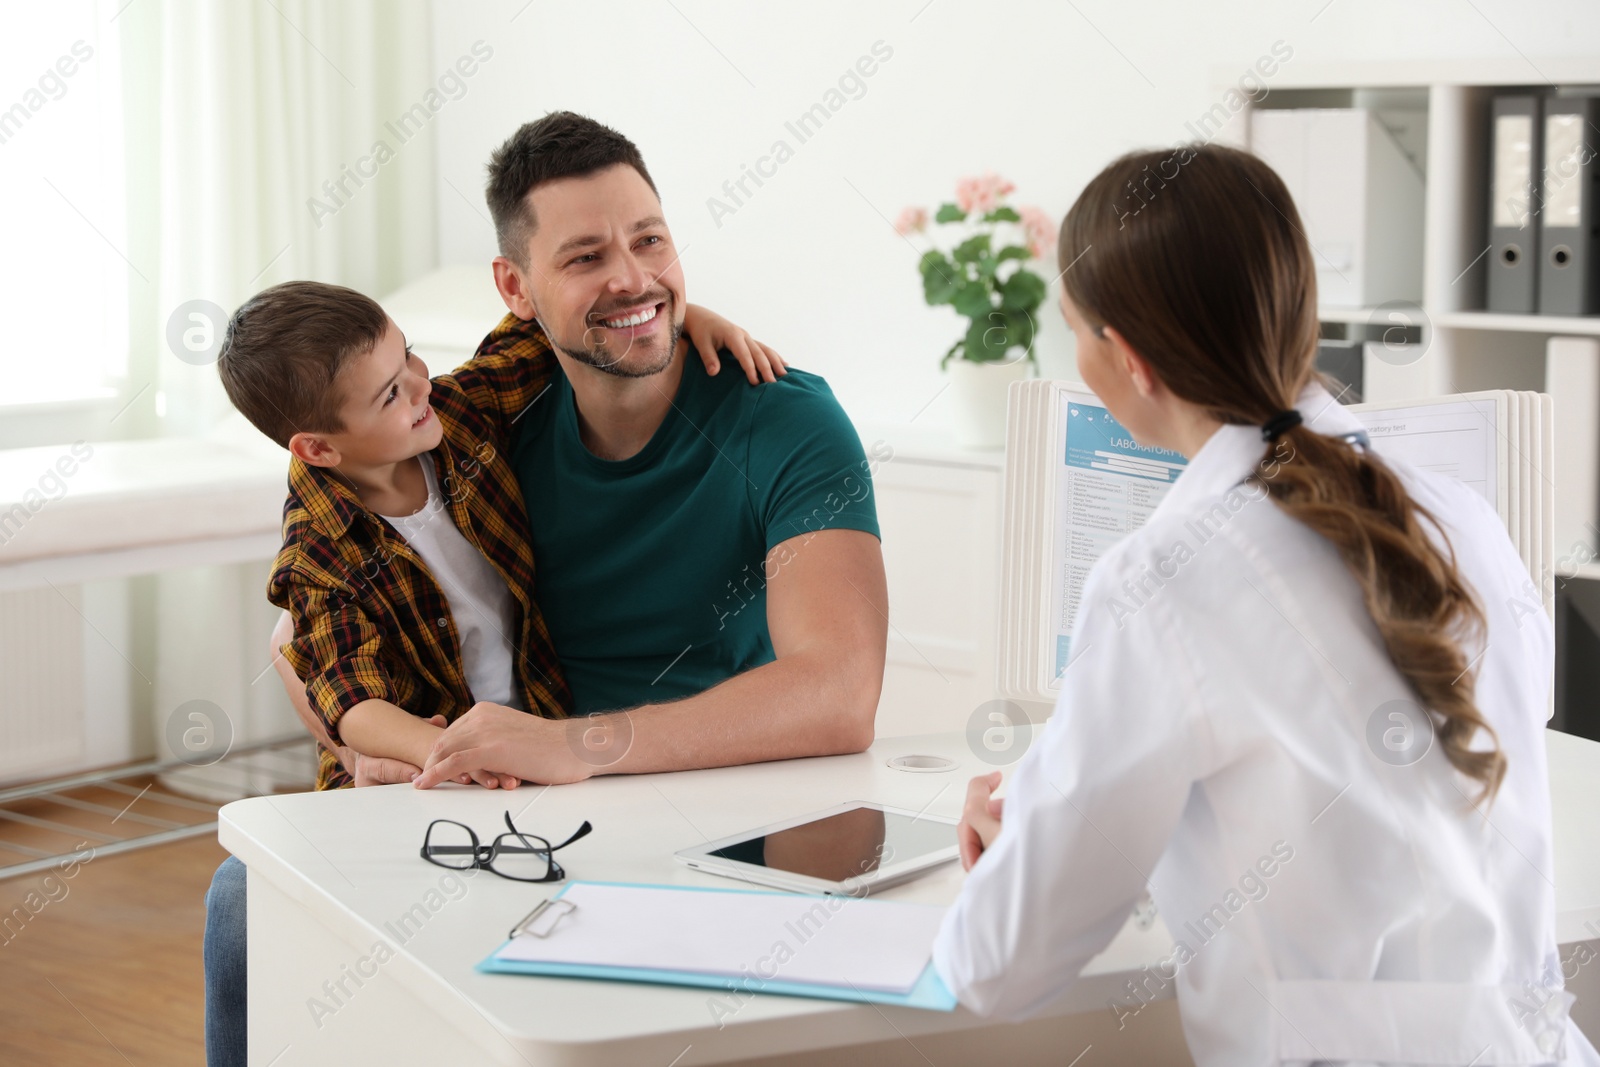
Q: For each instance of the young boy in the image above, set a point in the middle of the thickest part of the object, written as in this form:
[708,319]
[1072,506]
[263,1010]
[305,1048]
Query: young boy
[406,563]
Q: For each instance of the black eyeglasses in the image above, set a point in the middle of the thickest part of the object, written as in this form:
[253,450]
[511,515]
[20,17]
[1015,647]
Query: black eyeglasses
[518,856]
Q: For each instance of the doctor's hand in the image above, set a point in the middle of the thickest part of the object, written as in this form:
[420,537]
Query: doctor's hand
[980,818]
[496,741]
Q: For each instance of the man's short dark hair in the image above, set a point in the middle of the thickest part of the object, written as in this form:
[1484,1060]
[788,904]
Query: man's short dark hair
[285,346]
[563,144]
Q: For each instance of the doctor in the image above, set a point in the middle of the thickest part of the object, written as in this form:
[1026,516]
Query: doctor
[1306,700]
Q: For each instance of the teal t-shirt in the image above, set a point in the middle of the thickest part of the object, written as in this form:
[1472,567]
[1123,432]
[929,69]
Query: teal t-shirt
[650,571]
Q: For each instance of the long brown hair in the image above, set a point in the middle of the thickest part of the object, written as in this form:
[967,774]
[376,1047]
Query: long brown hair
[1196,256]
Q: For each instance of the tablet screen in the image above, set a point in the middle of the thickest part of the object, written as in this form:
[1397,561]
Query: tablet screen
[846,845]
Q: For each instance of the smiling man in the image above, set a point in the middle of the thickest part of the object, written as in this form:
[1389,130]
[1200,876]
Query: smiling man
[707,550]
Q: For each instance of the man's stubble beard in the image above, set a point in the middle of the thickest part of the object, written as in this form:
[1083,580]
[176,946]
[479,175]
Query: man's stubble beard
[607,362]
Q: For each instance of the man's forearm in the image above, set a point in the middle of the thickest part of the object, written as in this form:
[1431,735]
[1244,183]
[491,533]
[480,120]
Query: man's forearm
[804,704]
[827,610]
[379,728]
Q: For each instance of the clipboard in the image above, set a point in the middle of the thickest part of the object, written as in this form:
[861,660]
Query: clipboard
[898,928]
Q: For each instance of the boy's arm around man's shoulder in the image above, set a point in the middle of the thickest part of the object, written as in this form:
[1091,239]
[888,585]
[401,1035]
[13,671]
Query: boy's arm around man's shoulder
[512,368]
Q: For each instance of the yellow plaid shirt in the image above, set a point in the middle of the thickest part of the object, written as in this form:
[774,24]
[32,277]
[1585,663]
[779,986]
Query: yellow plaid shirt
[370,621]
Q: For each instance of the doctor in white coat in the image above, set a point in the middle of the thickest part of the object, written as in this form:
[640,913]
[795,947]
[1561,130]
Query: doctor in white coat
[1306,700]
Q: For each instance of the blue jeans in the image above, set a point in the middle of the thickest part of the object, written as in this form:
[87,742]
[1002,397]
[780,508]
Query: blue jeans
[226,967]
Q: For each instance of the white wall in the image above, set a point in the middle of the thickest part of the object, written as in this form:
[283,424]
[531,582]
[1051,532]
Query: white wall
[1043,93]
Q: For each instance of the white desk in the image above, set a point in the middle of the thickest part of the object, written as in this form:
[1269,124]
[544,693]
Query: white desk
[332,874]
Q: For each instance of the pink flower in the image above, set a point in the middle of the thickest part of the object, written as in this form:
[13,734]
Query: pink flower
[967,194]
[1040,229]
[983,193]
[911,220]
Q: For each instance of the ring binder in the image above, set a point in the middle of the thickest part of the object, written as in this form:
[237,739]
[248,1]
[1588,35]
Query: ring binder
[557,909]
[1569,268]
[1514,188]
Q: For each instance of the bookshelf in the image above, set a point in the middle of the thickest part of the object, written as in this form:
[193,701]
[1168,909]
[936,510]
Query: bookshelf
[1463,347]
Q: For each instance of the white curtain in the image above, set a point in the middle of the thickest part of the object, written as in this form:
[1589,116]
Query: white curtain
[269,116]
[254,134]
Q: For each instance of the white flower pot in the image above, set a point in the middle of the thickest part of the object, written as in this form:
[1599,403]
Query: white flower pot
[980,399]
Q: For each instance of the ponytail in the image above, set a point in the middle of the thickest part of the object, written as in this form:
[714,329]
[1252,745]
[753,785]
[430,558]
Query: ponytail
[1422,608]
[1200,262]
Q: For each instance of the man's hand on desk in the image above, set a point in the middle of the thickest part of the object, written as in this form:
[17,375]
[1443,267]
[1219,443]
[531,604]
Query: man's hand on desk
[381,770]
[514,744]
[980,818]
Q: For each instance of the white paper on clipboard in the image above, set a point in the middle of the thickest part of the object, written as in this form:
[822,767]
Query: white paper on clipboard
[838,940]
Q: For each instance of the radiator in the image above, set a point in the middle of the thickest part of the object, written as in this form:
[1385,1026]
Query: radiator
[43,724]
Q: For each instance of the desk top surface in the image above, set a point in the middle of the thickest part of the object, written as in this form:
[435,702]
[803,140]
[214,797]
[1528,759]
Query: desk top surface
[351,859]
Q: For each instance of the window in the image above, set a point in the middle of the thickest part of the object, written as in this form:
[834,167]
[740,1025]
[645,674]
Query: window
[62,178]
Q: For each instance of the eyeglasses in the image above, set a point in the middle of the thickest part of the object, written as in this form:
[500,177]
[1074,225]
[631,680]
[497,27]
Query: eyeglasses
[518,856]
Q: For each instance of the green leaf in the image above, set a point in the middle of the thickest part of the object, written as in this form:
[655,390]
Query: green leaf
[951,353]
[991,338]
[974,300]
[940,278]
[987,339]
[949,213]
[1003,214]
[1013,252]
[1020,330]
[972,249]
[1023,290]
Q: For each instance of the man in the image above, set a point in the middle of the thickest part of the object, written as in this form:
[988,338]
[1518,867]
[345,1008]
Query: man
[706,552]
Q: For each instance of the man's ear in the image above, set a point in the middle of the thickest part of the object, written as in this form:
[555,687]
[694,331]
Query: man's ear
[1134,365]
[314,450]
[513,290]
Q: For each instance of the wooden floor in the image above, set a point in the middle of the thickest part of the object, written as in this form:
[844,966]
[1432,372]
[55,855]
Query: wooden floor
[105,967]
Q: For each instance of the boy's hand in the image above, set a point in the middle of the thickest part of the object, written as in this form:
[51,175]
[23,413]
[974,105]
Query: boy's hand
[711,333]
[376,770]
[483,778]
[490,735]
[380,770]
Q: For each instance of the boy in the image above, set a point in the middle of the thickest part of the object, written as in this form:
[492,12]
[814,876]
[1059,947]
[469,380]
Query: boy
[406,564]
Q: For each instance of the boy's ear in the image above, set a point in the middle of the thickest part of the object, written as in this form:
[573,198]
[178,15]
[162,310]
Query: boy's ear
[513,290]
[314,450]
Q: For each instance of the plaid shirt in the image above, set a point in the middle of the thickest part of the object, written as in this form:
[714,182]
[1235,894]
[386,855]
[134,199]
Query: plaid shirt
[370,621]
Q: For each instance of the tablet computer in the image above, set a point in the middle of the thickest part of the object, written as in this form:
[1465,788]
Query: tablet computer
[852,849]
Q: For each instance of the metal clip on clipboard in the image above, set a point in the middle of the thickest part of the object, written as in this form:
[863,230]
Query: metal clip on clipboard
[548,913]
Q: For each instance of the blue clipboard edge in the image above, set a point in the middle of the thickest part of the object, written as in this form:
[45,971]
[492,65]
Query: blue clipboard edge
[929,993]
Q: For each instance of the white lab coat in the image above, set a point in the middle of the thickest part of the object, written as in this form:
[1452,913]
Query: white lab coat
[1212,741]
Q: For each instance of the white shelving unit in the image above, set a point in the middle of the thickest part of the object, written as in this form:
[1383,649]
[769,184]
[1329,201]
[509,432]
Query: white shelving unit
[1584,325]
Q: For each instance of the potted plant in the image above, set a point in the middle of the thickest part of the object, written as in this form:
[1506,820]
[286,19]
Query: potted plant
[984,276]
